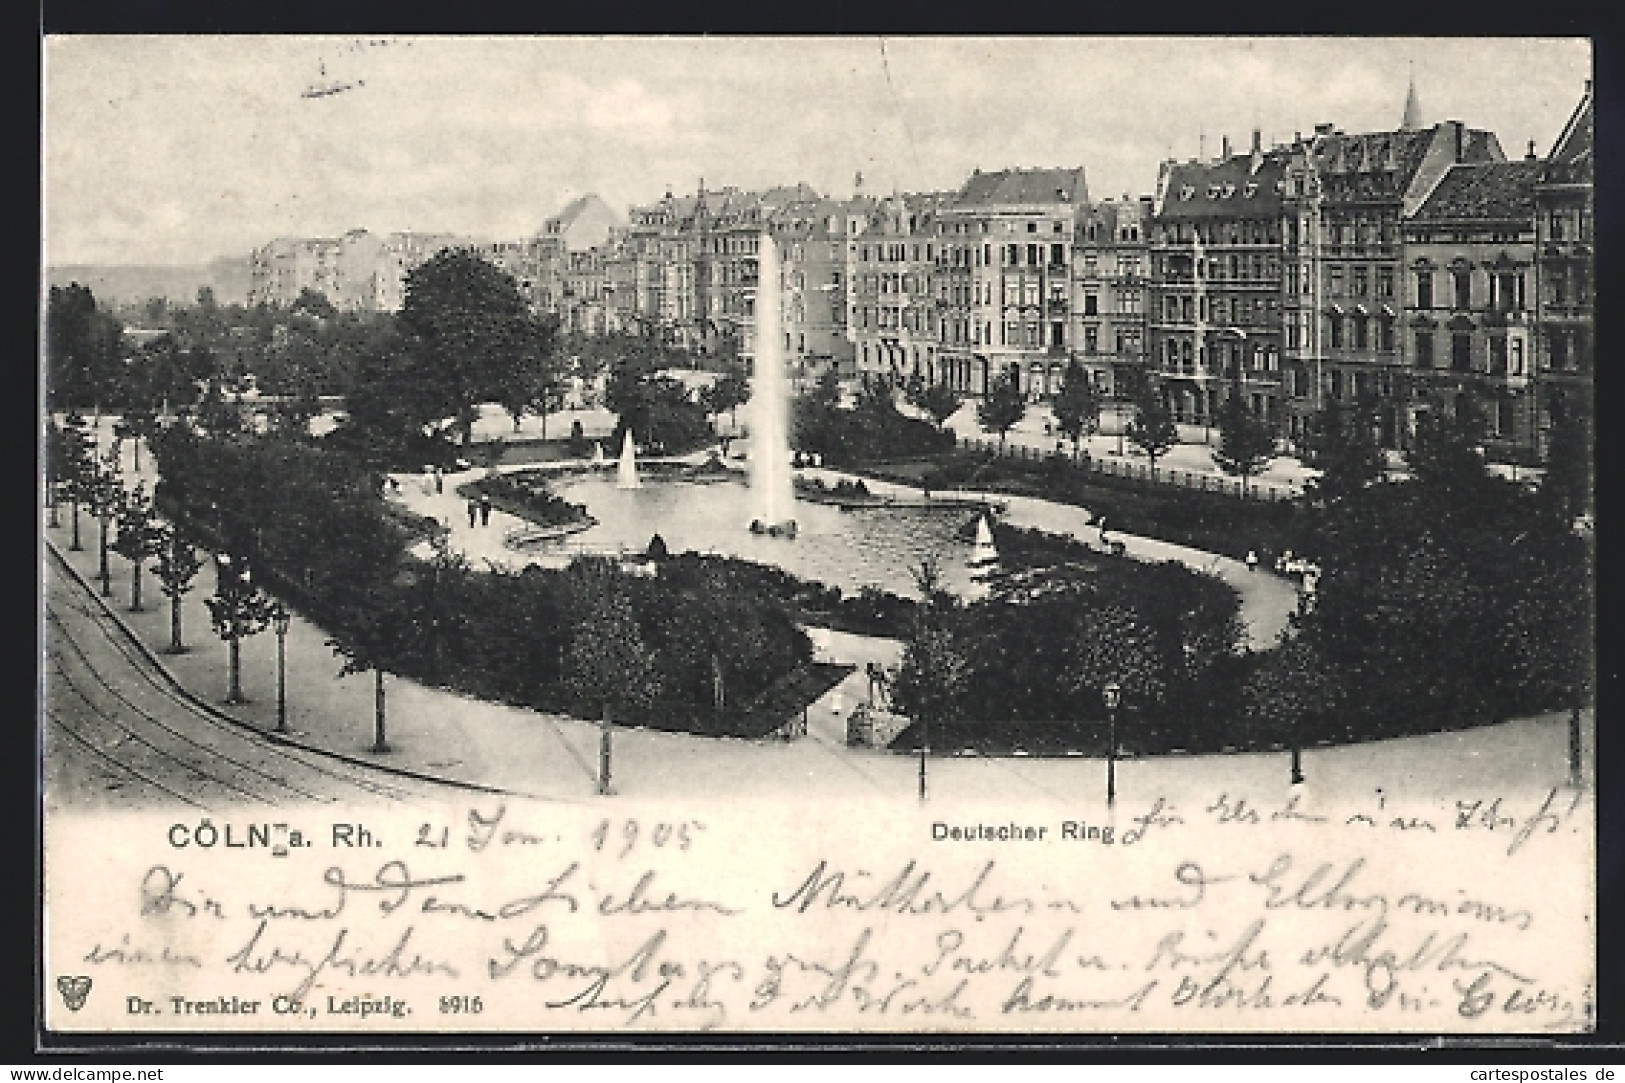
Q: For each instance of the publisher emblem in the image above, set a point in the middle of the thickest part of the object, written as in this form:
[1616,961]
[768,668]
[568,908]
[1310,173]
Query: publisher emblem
[74,989]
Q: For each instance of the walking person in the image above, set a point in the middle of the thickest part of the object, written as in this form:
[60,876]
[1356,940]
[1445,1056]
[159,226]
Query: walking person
[439,482]
[1252,560]
[485,509]
[473,512]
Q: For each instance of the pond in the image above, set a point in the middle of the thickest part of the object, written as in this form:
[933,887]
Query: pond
[876,547]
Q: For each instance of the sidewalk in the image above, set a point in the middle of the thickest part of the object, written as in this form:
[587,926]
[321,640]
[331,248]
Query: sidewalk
[1192,456]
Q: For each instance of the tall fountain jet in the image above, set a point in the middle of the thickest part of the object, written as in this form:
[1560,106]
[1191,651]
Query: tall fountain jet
[773,494]
[626,471]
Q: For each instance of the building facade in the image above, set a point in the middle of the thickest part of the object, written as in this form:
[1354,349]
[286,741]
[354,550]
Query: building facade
[1110,287]
[895,308]
[1346,308]
[1470,257]
[1215,323]
[1005,245]
[1565,268]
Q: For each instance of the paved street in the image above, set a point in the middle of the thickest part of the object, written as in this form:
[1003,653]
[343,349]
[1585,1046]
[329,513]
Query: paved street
[119,734]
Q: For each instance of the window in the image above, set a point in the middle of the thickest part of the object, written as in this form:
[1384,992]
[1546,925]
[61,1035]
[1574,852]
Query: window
[1557,226]
[1515,357]
[1424,289]
[1385,281]
[1057,255]
[1091,305]
[1498,355]
[1385,335]
[1032,254]
[1091,338]
[1337,384]
[1336,330]
[1334,281]
[1360,332]
[1462,285]
[1359,281]
[1461,351]
[1032,227]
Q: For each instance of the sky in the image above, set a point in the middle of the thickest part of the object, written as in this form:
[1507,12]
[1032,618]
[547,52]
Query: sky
[174,150]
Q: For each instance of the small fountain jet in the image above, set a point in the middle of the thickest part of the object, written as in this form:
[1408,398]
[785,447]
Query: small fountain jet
[626,471]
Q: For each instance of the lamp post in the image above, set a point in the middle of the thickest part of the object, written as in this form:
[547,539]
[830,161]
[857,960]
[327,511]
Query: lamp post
[1113,694]
[280,619]
[925,750]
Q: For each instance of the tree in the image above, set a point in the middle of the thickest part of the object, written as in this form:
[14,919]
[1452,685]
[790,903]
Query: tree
[138,537]
[1246,441]
[1077,407]
[534,380]
[1001,407]
[608,665]
[938,400]
[104,495]
[1346,453]
[1567,486]
[313,303]
[930,684]
[1446,457]
[730,391]
[177,567]
[474,331]
[237,609]
[78,476]
[1291,693]
[359,585]
[1153,430]
[1112,644]
[82,348]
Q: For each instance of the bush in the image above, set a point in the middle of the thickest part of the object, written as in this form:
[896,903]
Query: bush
[314,526]
[525,493]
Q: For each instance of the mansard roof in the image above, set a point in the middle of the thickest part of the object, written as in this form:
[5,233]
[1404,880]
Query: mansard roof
[1024,187]
[1486,191]
[1230,188]
[1382,165]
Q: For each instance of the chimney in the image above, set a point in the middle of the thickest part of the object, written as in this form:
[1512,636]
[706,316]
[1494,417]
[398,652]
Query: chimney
[1258,140]
[1224,148]
[1530,157]
[1460,145]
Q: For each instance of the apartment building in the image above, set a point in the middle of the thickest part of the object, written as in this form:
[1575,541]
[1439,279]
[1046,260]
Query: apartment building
[1565,270]
[1215,321]
[1110,286]
[897,291]
[1005,242]
[1345,301]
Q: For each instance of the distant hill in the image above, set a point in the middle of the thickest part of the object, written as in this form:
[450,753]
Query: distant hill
[134,283]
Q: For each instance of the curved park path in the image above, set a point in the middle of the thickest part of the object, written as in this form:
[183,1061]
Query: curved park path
[447,735]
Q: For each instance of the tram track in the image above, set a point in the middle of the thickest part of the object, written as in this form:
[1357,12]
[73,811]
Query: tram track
[129,722]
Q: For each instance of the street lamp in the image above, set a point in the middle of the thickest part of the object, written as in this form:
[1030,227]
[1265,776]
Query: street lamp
[280,620]
[925,750]
[1113,694]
